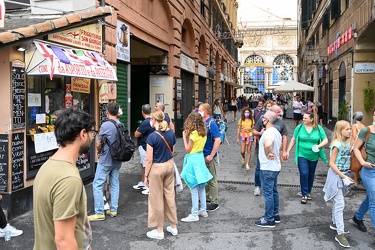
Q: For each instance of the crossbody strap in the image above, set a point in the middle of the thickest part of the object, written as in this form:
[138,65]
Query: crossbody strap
[165,141]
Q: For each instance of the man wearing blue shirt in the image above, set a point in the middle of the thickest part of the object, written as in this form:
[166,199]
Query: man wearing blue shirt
[210,151]
[141,134]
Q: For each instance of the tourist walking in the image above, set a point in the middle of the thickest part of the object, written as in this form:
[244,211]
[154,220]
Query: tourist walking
[338,183]
[233,107]
[309,138]
[194,172]
[159,177]
[366,136]
[244,135]
[357,126]
[218,109]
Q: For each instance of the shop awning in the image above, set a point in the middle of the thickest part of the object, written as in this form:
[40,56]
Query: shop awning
[53,59]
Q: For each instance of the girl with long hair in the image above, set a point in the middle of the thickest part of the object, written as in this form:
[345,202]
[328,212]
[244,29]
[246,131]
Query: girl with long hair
[218,109]
[194,172]
[310,138]
[336,186]
[245,135]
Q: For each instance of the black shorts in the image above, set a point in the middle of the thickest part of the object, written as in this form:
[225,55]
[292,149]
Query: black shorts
[233,108]
[297,116]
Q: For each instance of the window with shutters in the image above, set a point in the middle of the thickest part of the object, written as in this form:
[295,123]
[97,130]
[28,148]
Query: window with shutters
[326,23]
[335,9]
[305,20]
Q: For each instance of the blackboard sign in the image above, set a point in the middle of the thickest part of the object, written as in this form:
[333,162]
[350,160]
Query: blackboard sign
[4,162]
[18,93]
[17,160]
[102,112]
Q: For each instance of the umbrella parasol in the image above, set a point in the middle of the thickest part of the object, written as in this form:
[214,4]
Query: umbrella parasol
[293,86]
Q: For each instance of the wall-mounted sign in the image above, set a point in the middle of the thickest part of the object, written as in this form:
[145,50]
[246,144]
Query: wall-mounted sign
[341,39]
[18,93]
[364,68]
[178,89]
[187,63]
[159,60]
[202,70]
[157,82]
[4,142]
[81,85]
[123,41]
[86,37]
[18,144]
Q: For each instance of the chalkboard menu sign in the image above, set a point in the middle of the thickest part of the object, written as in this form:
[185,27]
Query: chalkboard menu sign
[18,93]
[3,162]
[17,160]
[102,112]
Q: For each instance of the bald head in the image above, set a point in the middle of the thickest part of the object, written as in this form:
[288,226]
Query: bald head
[159,106]
[277,110]
[270,116]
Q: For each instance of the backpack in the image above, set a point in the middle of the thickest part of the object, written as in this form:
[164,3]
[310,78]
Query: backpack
[123,147]
[222,129]
[225,107]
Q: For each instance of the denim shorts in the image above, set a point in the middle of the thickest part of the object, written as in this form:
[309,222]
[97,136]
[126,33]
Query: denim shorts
[244,140]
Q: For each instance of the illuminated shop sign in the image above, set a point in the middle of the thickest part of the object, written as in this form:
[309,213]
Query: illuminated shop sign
[341,39]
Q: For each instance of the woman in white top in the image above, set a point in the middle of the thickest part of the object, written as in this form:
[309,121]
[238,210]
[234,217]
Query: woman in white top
[218,109]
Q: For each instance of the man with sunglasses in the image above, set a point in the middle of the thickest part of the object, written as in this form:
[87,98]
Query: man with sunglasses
[60,201]
[107,166]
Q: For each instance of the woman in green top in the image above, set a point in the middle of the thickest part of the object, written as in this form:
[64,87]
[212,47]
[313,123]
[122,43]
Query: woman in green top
[310,139]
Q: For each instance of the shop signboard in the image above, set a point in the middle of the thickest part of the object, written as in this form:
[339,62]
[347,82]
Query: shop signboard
[4,142]
[81,85]
[2,14]
[123,41]
[18,94]
[51,59]
[85,37]
[17,150]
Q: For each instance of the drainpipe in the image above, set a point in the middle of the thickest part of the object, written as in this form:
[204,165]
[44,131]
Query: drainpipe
[102,3]
[352,89]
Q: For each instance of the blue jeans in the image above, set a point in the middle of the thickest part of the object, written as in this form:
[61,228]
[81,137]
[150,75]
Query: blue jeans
[101,175]
[257,169]
[306,174]
[368,204]
[198,193]
[270,193]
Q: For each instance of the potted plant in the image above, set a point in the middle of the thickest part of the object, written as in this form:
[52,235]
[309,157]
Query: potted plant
[368,98]
[343,113]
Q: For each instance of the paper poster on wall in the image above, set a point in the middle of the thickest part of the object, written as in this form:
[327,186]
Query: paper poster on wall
[103,91]
[34,100]
[40,118]
[159,98]
[123,41]
[45,142]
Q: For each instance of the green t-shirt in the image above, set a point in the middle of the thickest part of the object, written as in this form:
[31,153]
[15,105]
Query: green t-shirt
[307,140]
[370,145]
[59,194]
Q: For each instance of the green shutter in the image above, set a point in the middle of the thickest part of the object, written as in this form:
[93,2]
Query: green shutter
[122,90]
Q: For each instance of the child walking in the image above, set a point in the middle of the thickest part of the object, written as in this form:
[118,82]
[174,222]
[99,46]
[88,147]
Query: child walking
[245,135]
[194,172]
[338,183]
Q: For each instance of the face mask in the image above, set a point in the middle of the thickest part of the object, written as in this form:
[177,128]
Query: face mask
[259,107]
[373,123]
[201,113]
[247,115]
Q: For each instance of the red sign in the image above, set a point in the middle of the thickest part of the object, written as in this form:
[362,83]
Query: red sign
[2,14]
[340,41]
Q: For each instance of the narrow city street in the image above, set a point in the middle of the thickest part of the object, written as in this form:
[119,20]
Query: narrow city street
[232,225]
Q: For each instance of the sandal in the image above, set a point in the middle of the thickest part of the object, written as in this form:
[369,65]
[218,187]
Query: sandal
[304,200]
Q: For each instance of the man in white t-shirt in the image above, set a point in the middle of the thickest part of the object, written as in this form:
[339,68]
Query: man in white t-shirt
[297,110]
[270,166]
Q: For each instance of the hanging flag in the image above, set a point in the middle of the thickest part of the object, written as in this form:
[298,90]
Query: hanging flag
[83,57]
[98,58]
[60,54]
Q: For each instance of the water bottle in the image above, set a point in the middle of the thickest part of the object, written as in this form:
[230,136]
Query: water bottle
[8,233]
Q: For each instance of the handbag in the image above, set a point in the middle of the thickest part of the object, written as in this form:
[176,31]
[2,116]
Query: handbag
[355,166]
[177,179]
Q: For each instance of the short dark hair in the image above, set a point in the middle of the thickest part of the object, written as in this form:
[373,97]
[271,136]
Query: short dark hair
[69,123]
[113,108]
[146,109]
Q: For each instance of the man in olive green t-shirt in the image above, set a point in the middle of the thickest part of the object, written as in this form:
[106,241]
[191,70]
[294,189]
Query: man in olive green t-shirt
[60,202]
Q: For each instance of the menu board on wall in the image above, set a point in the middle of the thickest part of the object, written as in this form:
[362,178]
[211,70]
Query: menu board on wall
[18,94]
[17,160]
[4,162]
[102,112]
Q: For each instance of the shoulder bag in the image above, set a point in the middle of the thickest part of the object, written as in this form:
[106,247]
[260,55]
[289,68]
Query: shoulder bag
[355,166]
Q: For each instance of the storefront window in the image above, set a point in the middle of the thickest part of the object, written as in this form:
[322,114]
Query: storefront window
[44,98]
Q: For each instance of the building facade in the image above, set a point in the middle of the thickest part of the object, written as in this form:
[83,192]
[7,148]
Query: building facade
[336,51]
[269,53]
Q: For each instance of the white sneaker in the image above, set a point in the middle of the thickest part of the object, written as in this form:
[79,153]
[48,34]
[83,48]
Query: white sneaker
[172,230]
[146,191]
[257,191]
[140,185]
[190,218]
[14,231]
[106,206]
[203,214]
[155,235]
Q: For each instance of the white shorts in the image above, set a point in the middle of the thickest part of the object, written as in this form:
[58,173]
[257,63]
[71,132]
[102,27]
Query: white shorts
[142,154]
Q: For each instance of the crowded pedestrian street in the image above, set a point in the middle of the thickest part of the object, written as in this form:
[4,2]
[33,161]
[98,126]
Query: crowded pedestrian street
[303,226]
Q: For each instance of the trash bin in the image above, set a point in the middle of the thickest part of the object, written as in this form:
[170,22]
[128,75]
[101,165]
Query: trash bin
[179,125]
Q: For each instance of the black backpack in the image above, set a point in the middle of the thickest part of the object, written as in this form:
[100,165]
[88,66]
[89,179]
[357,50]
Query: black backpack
[123,147]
